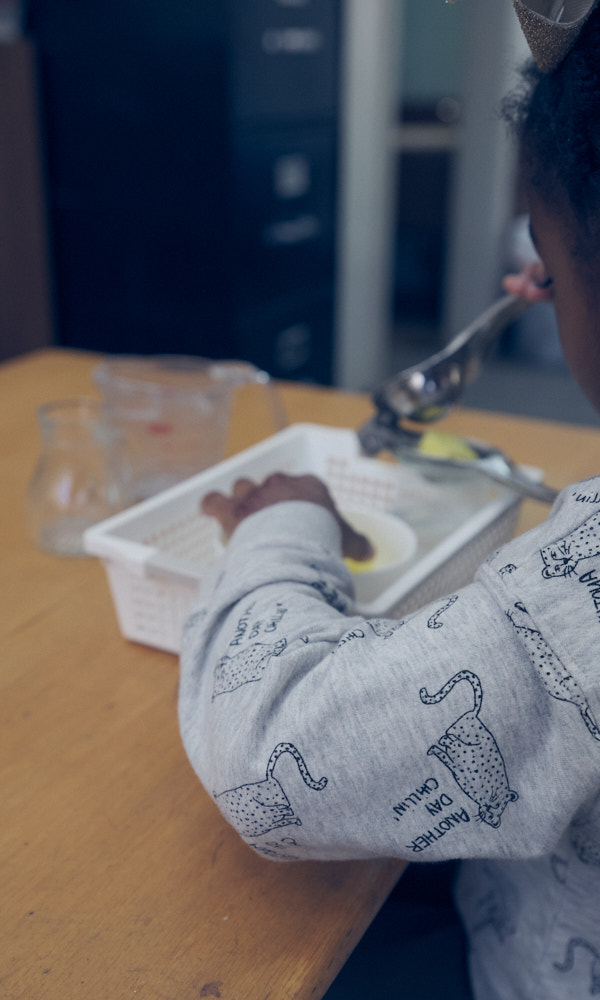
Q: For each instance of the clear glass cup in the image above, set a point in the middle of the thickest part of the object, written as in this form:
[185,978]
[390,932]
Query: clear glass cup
[82,476]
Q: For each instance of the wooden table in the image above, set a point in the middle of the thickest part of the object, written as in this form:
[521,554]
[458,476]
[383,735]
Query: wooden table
[119,876]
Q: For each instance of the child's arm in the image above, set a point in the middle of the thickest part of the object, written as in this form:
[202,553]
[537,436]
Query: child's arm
[322,735]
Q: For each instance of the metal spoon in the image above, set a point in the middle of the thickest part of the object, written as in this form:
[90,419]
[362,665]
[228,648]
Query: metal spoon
[426,391]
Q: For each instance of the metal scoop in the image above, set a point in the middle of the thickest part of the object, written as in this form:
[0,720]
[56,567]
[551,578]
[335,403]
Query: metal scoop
[425,392]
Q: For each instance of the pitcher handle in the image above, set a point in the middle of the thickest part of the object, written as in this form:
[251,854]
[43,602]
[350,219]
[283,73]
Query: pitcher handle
[239,373]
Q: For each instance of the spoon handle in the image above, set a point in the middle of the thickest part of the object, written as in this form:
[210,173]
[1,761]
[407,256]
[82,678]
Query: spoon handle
[513,477]
[494,466]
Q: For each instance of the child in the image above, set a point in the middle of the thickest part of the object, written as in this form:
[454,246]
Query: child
[471,730]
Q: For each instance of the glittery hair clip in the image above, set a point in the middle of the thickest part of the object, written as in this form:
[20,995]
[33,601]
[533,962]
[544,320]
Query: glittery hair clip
[551,27]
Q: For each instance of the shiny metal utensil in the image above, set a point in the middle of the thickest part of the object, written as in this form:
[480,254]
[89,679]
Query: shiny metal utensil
[490,462]
[426,391]
[378,435]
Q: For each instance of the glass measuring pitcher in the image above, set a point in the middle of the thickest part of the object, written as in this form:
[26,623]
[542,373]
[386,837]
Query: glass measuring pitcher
[82,475]
[174,411]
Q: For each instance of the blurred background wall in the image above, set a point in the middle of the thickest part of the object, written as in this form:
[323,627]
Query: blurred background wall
[322,187]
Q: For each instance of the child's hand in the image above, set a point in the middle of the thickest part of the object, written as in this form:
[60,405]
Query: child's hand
[532,284]
[248,497]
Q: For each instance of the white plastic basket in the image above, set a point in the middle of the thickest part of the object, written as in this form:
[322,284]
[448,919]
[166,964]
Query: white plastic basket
[162,556]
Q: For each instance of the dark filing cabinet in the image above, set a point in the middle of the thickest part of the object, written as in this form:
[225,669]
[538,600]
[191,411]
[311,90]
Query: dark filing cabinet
[191,158]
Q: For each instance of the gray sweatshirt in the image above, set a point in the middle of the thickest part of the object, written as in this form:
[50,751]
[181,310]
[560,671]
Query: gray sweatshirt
[469,730]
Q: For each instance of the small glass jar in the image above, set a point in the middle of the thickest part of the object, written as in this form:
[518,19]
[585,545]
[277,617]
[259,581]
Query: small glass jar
[82,476]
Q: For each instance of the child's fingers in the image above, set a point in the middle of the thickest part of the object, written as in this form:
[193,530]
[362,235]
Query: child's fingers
[517,284]
[532,283]
[241,487]
[355,545]
[212,503]
[222,508]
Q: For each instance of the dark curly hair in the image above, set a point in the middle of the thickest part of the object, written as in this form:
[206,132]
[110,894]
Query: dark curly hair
[556,117]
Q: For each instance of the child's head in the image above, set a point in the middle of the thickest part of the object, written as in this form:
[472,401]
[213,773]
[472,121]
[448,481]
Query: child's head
[557,121]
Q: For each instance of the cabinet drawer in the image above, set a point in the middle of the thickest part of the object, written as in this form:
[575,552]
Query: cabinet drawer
[290,337]
[284,58]
[284,195]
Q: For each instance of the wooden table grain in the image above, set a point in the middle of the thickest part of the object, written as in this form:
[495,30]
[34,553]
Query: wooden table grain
[119,877]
